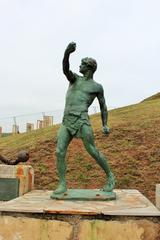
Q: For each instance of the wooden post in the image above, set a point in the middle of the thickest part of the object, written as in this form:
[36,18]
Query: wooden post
[158,196]
[0,131]
[15,129]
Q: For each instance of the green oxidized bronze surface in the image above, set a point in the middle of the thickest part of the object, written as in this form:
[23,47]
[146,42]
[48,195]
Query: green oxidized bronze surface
[81,93]
[85,195]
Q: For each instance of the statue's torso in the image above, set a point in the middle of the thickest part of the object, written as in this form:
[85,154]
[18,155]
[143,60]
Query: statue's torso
[81,94]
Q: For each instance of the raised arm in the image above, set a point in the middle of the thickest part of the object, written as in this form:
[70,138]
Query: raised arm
[69,74]
[103,108]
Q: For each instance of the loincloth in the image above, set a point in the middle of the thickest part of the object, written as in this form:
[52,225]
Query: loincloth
[74,121]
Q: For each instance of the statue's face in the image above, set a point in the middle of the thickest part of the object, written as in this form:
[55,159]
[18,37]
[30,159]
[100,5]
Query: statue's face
[83,68]
[88,64]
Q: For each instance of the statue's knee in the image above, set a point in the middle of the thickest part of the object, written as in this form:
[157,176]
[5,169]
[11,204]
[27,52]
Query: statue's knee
[60,152]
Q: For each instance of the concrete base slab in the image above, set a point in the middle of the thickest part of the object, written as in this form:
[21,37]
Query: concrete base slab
[84,195]
[127,203]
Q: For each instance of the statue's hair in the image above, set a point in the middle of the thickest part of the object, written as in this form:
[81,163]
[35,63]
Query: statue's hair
[91,63]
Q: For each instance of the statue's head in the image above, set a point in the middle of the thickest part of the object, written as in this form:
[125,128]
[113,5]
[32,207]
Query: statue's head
[88,64]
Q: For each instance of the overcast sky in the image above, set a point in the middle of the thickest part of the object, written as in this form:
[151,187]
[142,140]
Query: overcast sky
[122,35]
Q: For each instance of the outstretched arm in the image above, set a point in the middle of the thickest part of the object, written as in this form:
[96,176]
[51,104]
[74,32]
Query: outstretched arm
[69,74]
[104,111]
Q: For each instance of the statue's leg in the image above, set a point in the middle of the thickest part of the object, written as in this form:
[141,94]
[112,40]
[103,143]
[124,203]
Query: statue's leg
[88,141]
[64,139]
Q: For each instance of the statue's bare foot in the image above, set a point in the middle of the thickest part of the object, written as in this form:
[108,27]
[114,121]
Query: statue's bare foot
[109,186]
[61,188]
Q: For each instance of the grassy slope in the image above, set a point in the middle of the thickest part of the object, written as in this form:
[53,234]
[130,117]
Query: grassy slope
[133,150]
[153,97]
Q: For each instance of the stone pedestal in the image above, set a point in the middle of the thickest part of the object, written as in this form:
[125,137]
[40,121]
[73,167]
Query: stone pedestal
[36,216]
[23,173]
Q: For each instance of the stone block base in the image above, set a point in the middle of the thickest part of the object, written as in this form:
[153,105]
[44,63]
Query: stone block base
[23,228]
[24,173]
[38,217]
[35,229]
[118,230]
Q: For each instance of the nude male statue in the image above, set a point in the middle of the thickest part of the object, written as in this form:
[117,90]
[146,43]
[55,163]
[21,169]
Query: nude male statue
[80,95]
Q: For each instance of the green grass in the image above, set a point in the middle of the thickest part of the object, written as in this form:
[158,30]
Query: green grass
[153,97]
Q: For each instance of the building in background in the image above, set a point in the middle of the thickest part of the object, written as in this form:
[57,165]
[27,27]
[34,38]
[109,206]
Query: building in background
[47,121]
[39,124]
[29,127]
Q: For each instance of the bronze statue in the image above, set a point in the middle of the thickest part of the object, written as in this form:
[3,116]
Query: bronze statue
[80,95]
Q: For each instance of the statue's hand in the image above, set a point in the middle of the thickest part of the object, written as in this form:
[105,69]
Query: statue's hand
[71,47]
[106,130]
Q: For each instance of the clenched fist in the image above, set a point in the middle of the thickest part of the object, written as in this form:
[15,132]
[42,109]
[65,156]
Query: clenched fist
[71,47]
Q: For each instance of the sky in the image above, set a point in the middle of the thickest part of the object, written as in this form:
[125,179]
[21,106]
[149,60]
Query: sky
[123,36]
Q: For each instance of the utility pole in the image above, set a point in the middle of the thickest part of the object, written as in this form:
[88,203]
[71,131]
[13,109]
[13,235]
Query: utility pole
[15,128]
[14,120]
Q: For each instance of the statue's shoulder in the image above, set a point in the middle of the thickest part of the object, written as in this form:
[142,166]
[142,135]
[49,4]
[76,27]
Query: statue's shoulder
[98,86]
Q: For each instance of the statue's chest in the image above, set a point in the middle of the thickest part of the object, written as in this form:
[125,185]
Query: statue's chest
[83,86]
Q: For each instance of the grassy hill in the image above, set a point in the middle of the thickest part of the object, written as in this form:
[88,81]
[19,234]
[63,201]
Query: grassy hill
[153,97]
[133,150]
